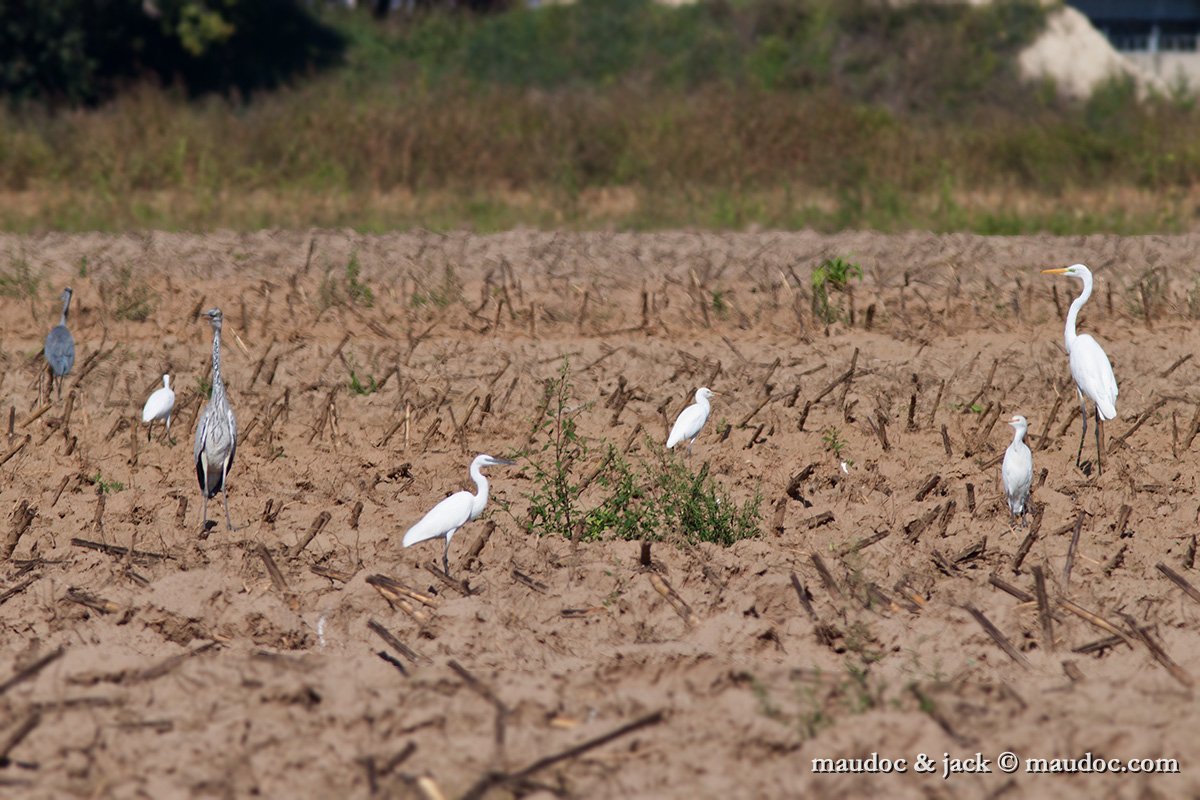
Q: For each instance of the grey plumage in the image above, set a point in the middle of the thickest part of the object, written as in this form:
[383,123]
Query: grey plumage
[60,346]
[216,434]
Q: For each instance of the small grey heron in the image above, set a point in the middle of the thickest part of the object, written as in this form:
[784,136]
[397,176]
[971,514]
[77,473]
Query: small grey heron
[216,434]
[60,346]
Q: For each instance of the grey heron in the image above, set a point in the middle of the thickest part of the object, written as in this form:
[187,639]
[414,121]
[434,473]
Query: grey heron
[60,346]
[216,434]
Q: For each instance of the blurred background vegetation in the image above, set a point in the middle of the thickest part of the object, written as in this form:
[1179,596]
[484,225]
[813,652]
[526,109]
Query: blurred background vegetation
[623,113]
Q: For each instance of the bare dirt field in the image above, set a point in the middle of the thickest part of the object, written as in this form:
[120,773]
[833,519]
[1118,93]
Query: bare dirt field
[186,668]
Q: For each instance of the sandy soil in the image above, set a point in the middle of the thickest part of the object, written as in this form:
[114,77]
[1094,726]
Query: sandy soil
[187,670]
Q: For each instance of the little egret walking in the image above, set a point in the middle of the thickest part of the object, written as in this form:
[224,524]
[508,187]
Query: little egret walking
[1017,471]
[216,434]
[159,406]
[691,420]
[60,346]
[1090,367]
[444,519]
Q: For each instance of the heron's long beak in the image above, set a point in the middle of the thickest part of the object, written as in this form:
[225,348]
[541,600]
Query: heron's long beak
[1059,271]
[502,462]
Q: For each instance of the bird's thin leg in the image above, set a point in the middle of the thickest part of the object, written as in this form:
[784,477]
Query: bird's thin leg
[150,431]
[204,494]
[1099,463]
[446,556]
[1082,436]
[225,495]
[168,433]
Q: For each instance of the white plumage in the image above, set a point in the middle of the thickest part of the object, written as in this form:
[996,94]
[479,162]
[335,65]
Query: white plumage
[691,420]
[159,406]
[444,519]
[1090,367]
[1017,470]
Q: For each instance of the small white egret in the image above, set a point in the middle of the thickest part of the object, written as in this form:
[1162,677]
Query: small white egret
[1017,471]
[444,519]
[1090,367]
[159,406]
[691,420]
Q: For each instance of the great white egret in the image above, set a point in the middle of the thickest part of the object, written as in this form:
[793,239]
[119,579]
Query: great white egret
[159,406]
[1017,470]
[1090,367]
[691,420]
[444,519]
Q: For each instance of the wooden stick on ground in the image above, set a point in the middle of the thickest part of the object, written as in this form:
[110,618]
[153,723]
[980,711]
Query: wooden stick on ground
[681,608]
[998,637]
[494,779]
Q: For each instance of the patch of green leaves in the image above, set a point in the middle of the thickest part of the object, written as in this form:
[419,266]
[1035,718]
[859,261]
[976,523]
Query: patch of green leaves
[105,487]
[829,278]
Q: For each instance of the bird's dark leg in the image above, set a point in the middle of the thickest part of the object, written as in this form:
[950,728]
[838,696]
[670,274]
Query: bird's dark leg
[225,495]
[150,431]
[204,495]
[1082,436]
[1099,463]
[446,555]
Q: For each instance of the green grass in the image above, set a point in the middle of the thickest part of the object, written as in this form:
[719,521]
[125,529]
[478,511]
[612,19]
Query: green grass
[589,490]
[812,113]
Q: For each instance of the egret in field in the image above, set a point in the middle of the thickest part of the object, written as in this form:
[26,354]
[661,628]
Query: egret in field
[1090,367]
[1017,471]
[216,434]
[691,420]
[159,406]
[60,346]
[444,519]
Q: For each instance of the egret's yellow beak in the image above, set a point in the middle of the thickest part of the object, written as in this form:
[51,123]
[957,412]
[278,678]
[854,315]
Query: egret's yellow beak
[1059,271]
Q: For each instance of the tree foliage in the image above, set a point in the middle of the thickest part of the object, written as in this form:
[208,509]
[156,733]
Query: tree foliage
[82,51]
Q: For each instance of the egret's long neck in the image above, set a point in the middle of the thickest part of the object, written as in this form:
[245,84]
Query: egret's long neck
[1019,435]
[218,386]
[481,495]
[66,307]
[1069,334]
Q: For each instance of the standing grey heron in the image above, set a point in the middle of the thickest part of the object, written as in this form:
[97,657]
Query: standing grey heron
[60,346]
[216,434]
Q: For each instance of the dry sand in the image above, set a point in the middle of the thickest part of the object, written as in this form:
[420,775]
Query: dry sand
[193,673]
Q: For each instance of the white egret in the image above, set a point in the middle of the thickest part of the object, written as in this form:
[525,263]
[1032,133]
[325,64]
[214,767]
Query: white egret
[159,406]
[444,519]
[1090,367]
[1017,471]
[691,420]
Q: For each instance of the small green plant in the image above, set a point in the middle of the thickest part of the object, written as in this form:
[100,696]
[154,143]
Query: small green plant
[130,301]
[348,289]
[831,275]
[695,506]
[360,388]
[20,279]
[650,500]
[719,304]
[447,291]
[106,487]
[834,442]
[204,386]
[554,502]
